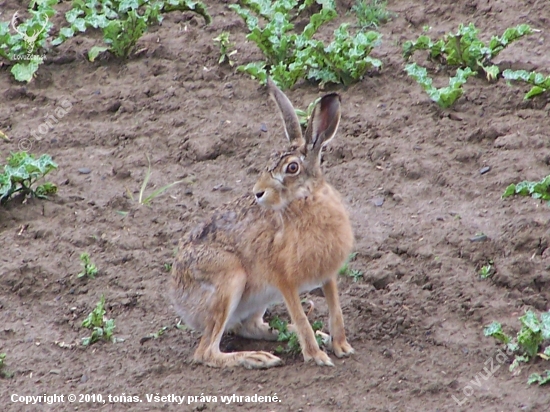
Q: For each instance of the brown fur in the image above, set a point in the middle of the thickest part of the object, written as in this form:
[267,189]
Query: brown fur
[292,238]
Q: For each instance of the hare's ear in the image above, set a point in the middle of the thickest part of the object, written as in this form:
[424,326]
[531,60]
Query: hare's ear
[323,123]
[292,126]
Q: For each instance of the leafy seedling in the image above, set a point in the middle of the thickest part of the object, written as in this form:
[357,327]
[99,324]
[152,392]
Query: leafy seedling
[181,326]
[487,270]
[541,380]
[537,190]
[371,13]
[167,267]
[345,270]
[122,22]
[154,335]
[225,45]
[445,96]
[291,338]
[291,55]
[528,340]
[146,200]
[88,268]
[3,372]
[24,48]
[21,174]
[464,51]
[102,328]
[540,83]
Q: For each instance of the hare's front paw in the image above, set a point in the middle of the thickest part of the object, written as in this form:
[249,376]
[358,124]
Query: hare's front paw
[342,349]
[319,357]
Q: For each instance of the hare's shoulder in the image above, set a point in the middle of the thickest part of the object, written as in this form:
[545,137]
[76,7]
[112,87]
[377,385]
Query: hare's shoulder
[227,222]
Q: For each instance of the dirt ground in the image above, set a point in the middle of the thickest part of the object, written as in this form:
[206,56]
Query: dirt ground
[416,319]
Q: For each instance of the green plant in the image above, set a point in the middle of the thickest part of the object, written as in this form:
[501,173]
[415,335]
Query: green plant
[3,372]
[345,270]
[445,96]
[291,338]
[22,172]
[529,339]
[102,328]
[304,115]
[537,190]
[22,48]
[142,200]
[486,270]
[88,268]
[540,83]
[462,50]
[541,380]
[371,13]
[122,22]
[159,333]
[225,44]
[167,267]
[291,56]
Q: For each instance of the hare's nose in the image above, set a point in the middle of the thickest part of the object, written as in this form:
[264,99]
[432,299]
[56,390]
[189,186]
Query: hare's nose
[259,195]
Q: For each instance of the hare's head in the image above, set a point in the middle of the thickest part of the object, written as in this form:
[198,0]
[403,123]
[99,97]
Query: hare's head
[294,173]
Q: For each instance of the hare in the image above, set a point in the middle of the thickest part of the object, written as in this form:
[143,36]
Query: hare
[289,236]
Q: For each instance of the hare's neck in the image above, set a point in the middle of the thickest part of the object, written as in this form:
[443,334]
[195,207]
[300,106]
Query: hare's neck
[323,203]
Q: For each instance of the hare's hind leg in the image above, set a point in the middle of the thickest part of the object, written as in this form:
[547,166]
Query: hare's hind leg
[224,302]
[339,344]
[255,328]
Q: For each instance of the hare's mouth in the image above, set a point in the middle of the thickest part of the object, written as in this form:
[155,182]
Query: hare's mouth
[269,199]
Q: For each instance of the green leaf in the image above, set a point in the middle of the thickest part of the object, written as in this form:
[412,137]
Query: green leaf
[73,14]
[535,91]
[545,326]
[541,380]
[96,51]
[256,70]
[46,189]
[495,330]
[95,318]
[79,24]
[530,336]
[24,72]
[510,191]
[491,72]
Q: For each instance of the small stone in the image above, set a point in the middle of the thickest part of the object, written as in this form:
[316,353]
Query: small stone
[55,371]
[84,379]
[378,201]
[113,107]
[188,192]
[85,170]
[484,170]
[263,128]
[478,238]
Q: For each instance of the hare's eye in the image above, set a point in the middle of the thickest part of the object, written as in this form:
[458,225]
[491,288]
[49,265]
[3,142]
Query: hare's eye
[292,168]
